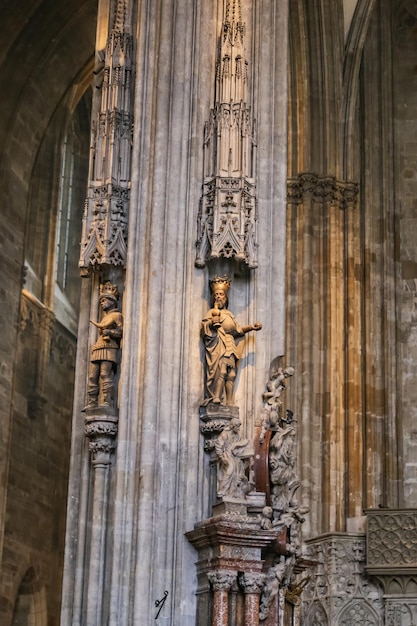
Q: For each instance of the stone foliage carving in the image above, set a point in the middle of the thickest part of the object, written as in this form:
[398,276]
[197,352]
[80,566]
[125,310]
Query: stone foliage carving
[105,352]
[310,187]
[227,220]
[221,580]
[252,582]
[221,333]
[104,233]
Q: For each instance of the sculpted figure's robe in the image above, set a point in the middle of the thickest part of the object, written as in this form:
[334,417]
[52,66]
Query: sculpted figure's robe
[220,343]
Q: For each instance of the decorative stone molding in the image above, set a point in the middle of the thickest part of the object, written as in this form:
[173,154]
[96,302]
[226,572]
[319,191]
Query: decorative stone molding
[275,475]
[338,590]
[319,190]
[104,232]
[227,219]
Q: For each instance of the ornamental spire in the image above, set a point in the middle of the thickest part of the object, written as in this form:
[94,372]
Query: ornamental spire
[104,234]
[227,220]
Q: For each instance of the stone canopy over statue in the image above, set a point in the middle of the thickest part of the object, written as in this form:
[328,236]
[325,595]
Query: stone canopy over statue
[221,332]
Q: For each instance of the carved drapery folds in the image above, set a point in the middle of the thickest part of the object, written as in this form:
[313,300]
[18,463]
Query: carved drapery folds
[227,220]
[104,233]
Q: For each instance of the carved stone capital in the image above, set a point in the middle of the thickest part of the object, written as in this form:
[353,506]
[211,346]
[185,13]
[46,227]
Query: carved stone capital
[101,431]
[252,582]
[308,187]
[221,580]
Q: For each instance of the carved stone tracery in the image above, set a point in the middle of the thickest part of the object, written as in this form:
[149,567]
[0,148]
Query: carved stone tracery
[338,589]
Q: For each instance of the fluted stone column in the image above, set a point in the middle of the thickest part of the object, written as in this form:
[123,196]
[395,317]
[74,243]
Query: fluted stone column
[221,582]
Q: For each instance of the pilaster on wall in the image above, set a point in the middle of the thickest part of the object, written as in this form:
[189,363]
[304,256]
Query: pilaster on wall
[316,216]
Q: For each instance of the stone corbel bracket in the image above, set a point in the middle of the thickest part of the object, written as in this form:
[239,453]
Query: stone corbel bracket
[213,419]
[101,430]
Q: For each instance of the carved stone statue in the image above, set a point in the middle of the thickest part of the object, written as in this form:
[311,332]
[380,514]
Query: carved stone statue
[284,480]
[220,332]
[273,582]
[232,454]
[105,352]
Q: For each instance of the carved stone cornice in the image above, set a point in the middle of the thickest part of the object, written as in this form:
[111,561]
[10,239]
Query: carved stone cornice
[34,315]
[321,190]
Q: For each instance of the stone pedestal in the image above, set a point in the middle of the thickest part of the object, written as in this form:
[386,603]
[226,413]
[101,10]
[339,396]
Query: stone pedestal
[231,547]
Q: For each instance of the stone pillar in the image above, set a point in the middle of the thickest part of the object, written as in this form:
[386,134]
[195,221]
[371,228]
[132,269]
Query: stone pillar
[252,584]
[221,582]
[101,430]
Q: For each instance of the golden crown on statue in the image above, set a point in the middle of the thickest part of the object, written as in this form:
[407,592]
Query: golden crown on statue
[219,282]
[107,290]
